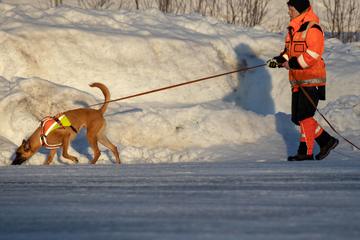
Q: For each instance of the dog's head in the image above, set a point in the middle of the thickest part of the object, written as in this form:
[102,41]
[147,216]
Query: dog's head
[23,153]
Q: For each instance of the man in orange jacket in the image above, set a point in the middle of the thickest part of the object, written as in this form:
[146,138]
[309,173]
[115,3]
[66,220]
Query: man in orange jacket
[304,46]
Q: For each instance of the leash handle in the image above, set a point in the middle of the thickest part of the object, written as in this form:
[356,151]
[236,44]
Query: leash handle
[181,84]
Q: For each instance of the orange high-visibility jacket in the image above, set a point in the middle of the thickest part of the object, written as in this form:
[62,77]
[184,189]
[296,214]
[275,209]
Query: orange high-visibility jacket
[304,46]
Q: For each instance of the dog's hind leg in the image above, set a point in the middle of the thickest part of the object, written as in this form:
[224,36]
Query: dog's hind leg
[91,136]
[65,154]
[106,142]
[94,146]
[50,157]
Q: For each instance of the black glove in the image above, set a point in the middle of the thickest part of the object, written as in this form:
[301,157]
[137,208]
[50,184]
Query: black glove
[273,63]
[276,62]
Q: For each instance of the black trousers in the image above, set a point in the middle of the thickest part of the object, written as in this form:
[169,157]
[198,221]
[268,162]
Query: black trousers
[301,107]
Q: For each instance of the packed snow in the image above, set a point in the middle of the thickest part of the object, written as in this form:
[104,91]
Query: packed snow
[50,56]
[233,200]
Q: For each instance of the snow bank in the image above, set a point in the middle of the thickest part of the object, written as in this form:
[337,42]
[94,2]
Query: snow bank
[130,52]
[48,58]
[344,113]
[154,133]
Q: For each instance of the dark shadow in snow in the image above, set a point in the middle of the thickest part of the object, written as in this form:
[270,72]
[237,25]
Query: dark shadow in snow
[132,110]
[81,145]
[108,112]
[82,104]
[287,129]
[109,155]
[253,92]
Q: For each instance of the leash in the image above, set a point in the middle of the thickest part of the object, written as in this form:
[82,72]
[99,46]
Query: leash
[327,121]
[220,75]
[182,84]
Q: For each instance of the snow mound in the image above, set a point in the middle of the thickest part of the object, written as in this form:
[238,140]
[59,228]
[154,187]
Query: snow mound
[202,126]
[153,133]
[344,113]
[130,52]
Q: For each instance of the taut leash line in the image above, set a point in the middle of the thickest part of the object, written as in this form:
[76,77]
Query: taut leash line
[223,74]
[182,84]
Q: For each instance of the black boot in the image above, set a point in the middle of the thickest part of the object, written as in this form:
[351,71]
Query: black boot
[326,143]
[301,154]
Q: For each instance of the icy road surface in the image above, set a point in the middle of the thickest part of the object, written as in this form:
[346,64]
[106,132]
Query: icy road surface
[236,200]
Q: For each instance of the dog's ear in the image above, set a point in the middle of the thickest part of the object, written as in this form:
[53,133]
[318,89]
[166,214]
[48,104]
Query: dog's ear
[23,142]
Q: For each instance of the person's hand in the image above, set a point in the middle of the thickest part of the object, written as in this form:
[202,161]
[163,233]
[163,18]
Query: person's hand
[272,63]
[286,65]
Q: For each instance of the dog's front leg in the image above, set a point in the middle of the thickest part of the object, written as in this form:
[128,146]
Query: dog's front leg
[65,154]
[50,157]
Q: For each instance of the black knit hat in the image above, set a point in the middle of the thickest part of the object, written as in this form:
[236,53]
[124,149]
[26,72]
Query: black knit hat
[299,5]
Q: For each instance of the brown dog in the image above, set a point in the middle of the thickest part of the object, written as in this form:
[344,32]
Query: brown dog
[93,120]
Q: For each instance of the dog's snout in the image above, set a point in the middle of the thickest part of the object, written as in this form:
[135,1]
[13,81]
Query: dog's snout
[18,159]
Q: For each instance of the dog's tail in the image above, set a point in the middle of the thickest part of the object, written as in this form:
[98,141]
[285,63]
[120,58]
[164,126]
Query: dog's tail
[106,93]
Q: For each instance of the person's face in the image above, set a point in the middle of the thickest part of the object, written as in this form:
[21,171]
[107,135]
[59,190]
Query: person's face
[293,13]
